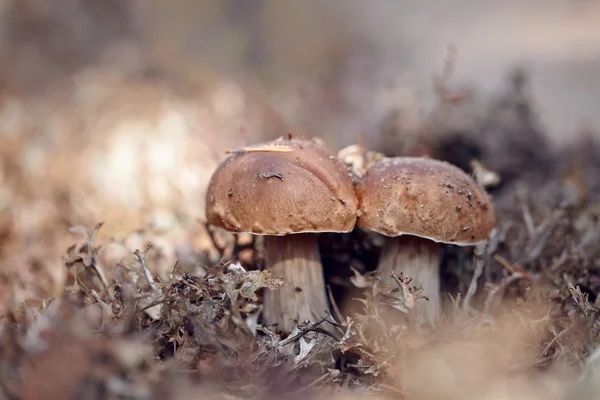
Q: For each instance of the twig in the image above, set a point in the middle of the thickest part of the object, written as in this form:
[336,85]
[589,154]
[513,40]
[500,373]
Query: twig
[511,268]
[479,263]
[332,321]
[334,305]
[506,281]
[106,309]
[504,263]
[301,334]
[174,268]
[257,149]
[304,331]
[141,257]
[91,261]
[528,218]
[554,340]
[541,235]
[97,268]
[582,301]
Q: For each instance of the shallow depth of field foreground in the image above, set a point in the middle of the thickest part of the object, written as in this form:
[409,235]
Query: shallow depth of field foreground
[122,275]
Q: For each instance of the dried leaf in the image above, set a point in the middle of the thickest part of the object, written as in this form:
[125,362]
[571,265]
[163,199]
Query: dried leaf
[256,280]
[305,348]
[403,298]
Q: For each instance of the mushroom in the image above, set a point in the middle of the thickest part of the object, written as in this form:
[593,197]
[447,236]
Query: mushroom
[419,203]
[287,190]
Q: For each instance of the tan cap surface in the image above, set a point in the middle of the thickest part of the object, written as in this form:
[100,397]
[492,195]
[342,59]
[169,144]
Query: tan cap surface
[424,197]
[270,192]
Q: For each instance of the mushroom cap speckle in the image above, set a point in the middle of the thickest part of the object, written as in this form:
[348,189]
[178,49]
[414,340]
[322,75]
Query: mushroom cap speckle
[265,192]
[424,197]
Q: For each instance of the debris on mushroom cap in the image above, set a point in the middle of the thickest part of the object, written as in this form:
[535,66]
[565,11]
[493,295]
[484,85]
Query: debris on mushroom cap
[483,175]
[277,193]
[424,197]
[358,158]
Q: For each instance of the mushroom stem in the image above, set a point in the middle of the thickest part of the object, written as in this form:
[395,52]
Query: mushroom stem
[419,259]
[302,296]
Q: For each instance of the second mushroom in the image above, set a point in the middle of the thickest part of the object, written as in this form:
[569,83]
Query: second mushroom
[419,203]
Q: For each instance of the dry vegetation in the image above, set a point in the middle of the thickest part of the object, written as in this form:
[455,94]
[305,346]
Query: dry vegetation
[113,287]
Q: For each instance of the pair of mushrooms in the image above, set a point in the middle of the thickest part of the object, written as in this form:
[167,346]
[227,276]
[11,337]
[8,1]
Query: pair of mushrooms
[291,189]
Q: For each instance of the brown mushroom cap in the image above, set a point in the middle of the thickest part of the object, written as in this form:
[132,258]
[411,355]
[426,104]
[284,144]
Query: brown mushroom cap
[424,197]
[305,189]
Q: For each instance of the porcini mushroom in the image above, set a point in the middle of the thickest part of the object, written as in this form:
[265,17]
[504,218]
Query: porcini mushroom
[419,203]
[288,190]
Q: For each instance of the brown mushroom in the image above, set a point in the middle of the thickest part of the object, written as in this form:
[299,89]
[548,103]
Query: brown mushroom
[419,203]
[288,190]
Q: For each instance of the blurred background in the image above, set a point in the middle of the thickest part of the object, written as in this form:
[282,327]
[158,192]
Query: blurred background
[119,111]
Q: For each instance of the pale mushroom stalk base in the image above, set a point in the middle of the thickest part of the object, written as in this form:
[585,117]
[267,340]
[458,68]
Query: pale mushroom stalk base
[302,296]
[418,259]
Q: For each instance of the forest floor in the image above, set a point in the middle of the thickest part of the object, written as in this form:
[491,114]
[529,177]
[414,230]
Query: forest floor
[172,310]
